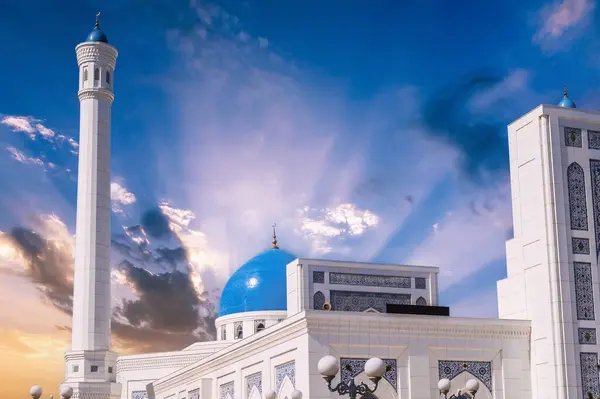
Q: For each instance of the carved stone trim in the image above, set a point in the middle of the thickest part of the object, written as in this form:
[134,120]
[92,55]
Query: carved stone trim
[593,139]
[227,389]
[595,180]
[281,371]
[577,200]
[587,336]
[589,373]
[584,293]
[253,380]
[358,301]
[481,370]
[581,246]
[319,277]
[351,367]
[369,280]
[573,137]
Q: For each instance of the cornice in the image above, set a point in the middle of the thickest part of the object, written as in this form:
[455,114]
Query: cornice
[256,344]
[249,316]
[164,360]
[101,53]
[94,93]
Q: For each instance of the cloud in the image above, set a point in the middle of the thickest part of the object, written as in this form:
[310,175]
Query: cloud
[20,124]
[146,273]
[320,226]
[560,17]
[119,195]
[20,157]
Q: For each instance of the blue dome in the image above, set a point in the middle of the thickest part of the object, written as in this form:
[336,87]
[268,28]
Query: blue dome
[566,102]
[97,36]
[258,285]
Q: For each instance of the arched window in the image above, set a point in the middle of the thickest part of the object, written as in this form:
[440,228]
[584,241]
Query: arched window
[96,74]
[318,300]
[260,327]
[223,333]
[239,331]
[85,74]
[421,301]
[107,77]
[577,201]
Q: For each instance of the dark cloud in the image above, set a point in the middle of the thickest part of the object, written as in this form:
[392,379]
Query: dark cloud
[168,313]
[49,267]
[483,146]
[156,224]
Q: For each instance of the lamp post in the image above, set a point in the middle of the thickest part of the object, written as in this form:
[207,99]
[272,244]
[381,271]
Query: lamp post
[471,388]
[273,395]
[65,392]
[374,369]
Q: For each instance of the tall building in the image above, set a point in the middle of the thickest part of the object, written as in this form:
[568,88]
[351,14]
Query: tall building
[90,364]
[552,261]
[279,314]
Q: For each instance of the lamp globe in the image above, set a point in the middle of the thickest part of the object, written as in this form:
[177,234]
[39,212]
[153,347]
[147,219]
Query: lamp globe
[66,391]
[36,391]
[296,394]
[375,367]
[271,395]
[444,385]
[328,366]
[472,386]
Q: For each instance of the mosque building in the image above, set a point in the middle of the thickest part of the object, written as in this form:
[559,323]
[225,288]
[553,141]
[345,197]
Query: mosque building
[279,314]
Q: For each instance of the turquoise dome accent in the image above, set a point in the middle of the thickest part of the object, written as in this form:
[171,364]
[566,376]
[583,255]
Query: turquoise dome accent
[258,285]
[97,36]
[566,102]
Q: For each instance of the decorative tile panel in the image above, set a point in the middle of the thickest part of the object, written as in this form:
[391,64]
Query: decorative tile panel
[581,246]
[355,301]
[595,178]
[227,389]
[351,367]
[238,330]
[254,380]
[139,395]
[587,336]
[480,370]
[283,370]
[319,277]
[318,300]
[421,301]
[420,283]
[577,201]
[584,295]
[589,373]
[258,324]
[572,137]
[593,139]
[370,280]
[194,393]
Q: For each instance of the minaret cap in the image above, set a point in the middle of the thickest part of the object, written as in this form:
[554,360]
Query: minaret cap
[97,35]
[566,102]
[274,237]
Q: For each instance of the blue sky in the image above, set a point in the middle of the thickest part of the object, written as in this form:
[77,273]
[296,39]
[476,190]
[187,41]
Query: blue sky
[366,130]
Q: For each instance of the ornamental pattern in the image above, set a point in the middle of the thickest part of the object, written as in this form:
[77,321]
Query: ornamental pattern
[421,301]
[283,370]
[139,395]
[227,389]
[593,139]
[355,301]
[481,370]
[351,367]
[587,336]
[584,295]
[318,300]
[589,373]
[420,283]
[577,201]
[595,177]
[581,246]
[572,137]
[319,277]
[371,280]
[254,380]
[194,393]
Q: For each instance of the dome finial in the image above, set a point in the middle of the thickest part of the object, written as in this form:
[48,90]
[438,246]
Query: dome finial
[565,92]
[97,26]
[274,237]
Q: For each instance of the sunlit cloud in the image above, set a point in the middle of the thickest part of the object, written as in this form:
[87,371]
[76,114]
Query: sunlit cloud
[119,195]
[20,157]
[562,16]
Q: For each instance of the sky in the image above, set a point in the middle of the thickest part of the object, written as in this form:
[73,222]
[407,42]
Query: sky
[367,130]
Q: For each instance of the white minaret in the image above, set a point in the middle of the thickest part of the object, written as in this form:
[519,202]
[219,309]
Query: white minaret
[552,261]
[90,364]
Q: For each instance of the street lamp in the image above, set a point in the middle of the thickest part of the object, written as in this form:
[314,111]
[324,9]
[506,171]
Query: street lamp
[65,392]
[471,388]
[273,395]
[374,369]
